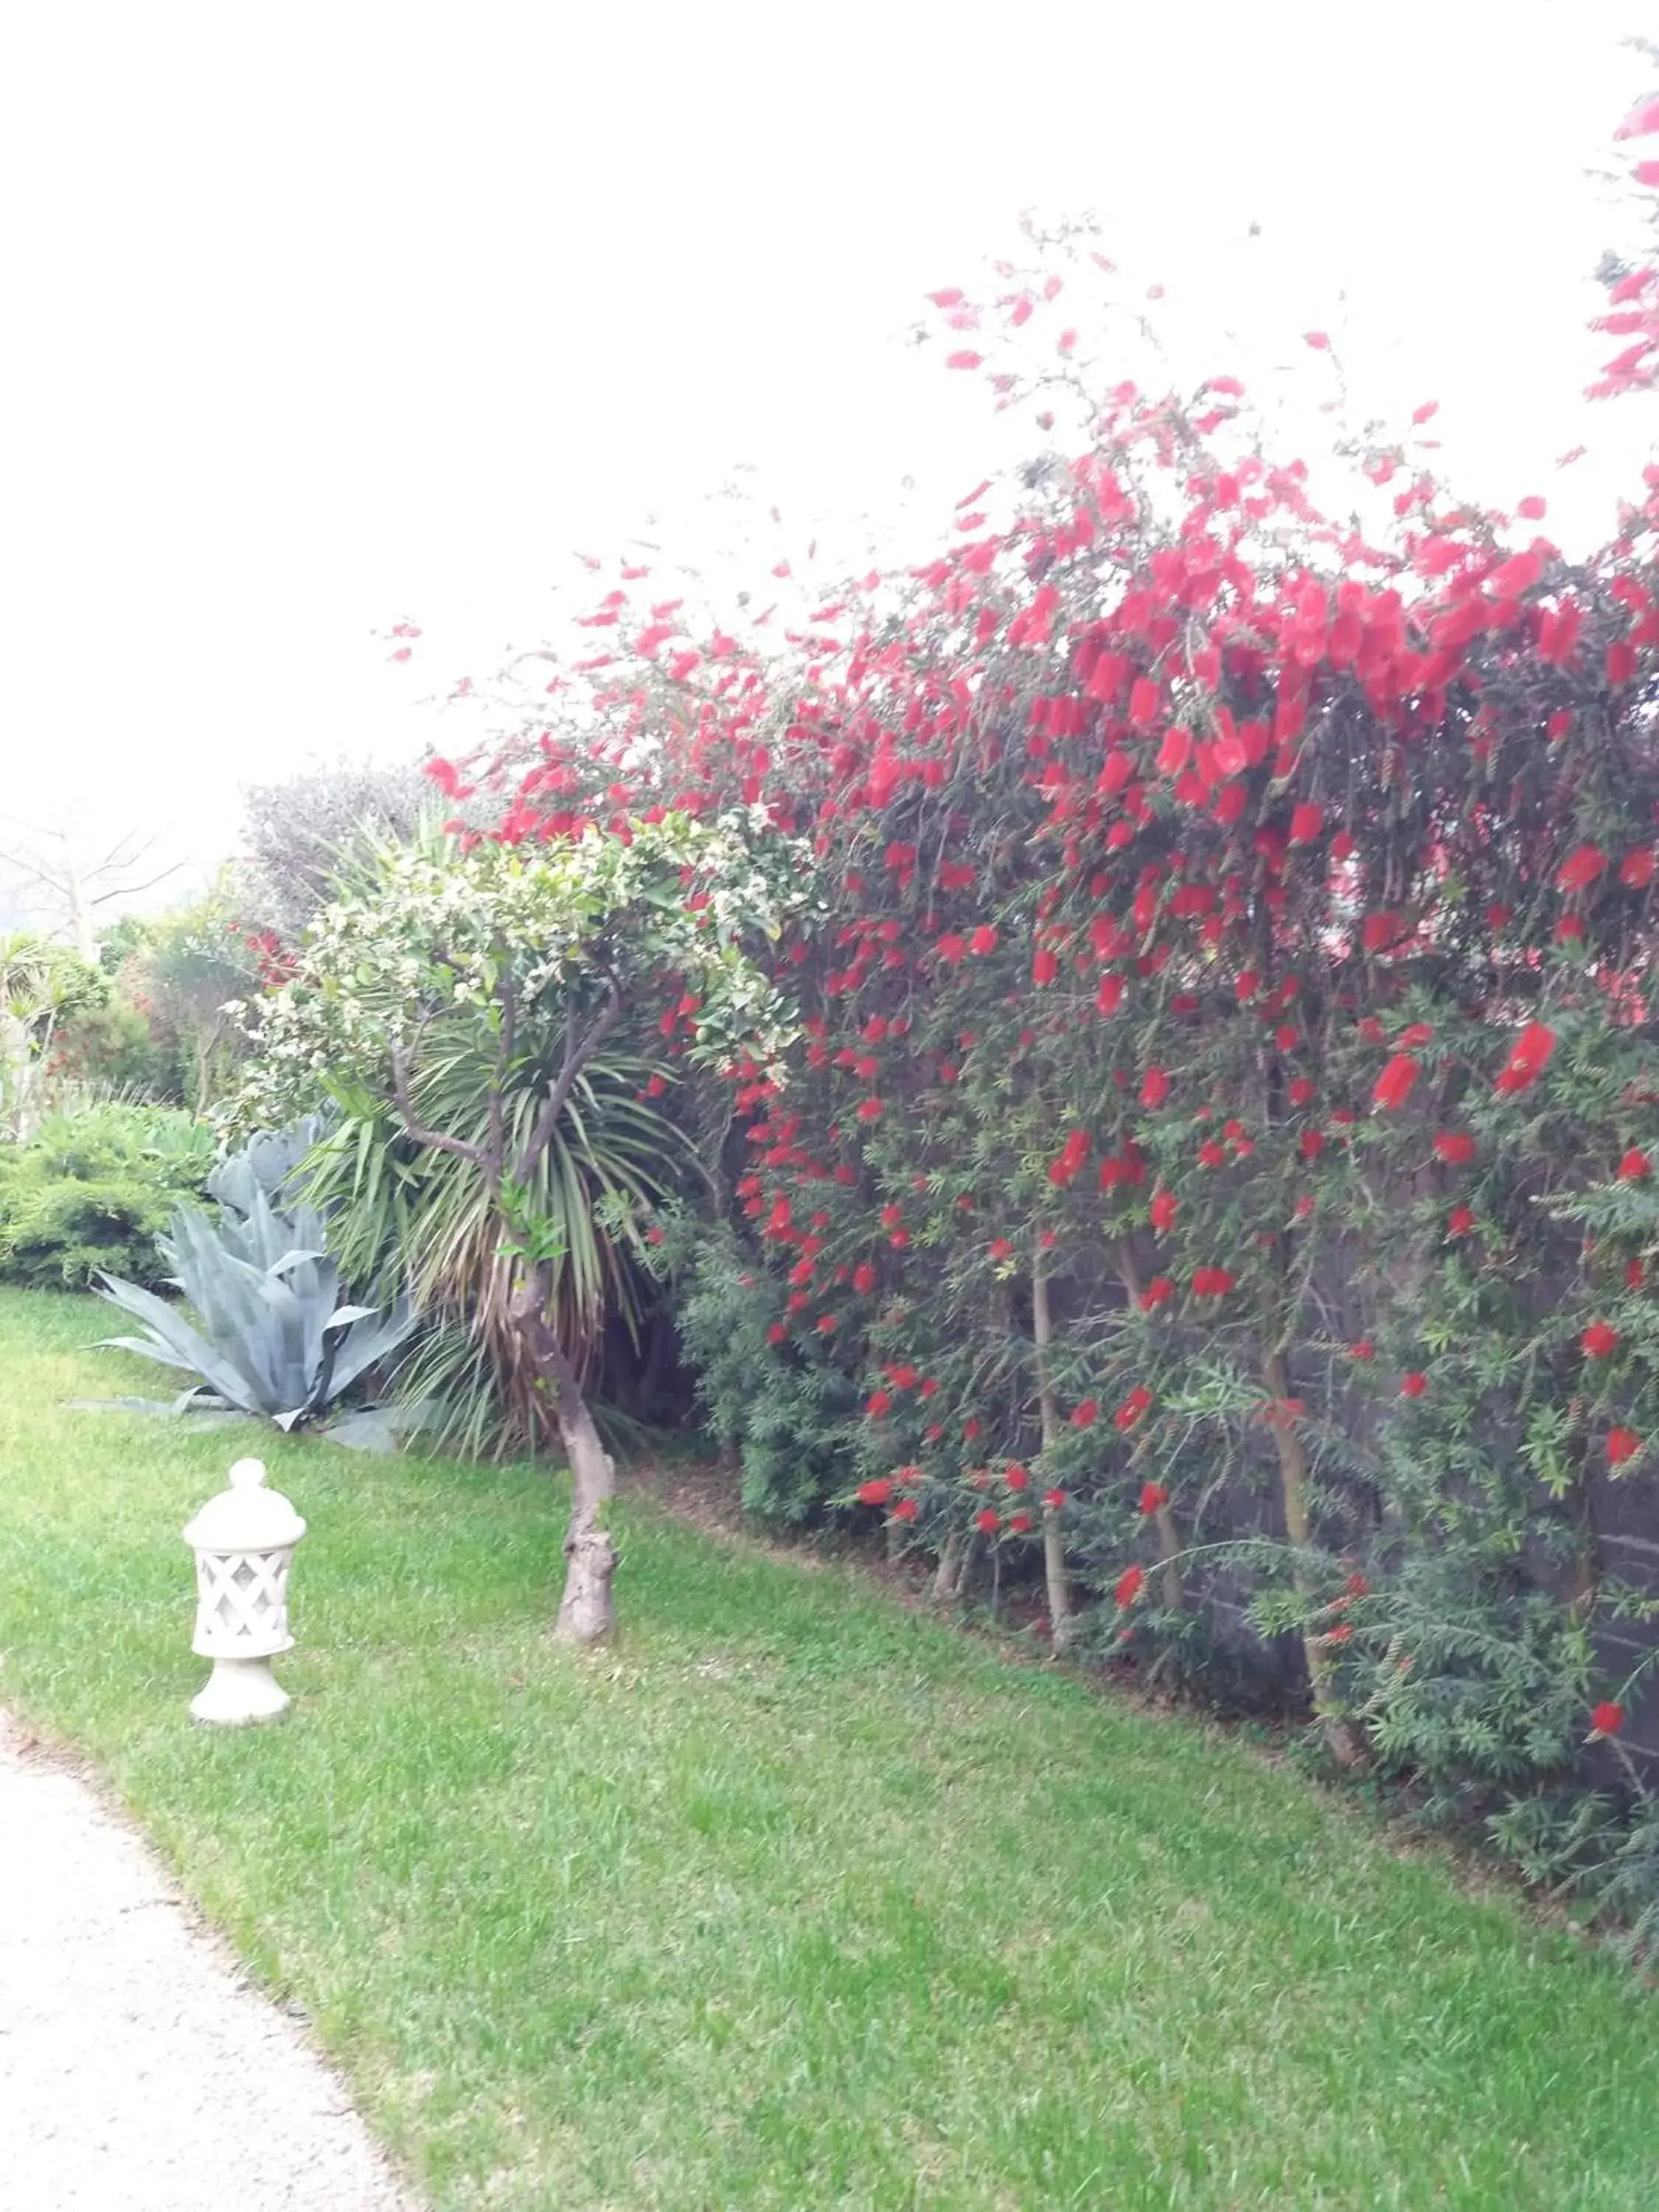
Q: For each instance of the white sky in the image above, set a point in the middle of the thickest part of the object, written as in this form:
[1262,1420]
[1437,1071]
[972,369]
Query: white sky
[322,315]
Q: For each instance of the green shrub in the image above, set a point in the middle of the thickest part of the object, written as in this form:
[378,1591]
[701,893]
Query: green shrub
[95,1189]
[791,1422]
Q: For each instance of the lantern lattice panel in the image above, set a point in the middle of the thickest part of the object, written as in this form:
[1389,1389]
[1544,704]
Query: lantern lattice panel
[242,1603]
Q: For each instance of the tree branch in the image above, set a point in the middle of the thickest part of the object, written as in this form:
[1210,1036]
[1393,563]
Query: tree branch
[504,1046]
[578,1051]
[131,891]
[433,1139]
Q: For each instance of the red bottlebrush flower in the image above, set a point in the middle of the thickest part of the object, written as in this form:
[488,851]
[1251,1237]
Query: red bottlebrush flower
[878,1405]
[1455,1147]
[1307,820]
[1319,340]
[1606,1718]
[1163,1210]
[1380,930]
[1581,868]
[1144,698]
[1643,119]
[1086,1414]
[1155,1293]
[1156,1088]
[1418,1033]
[1134,1406]
[1286,1038]
[900,1240]
[1015,1477]
[1210,1154]
[1044,968]
[876,1492]
[1413,1386]
[778,1334]
[1128,1588]
[870,1109]
[1635,1165]
[1363,1350]
[964,358]
[828,1324]
[1019,1524]
[1152,1495]
[986,1521]
[1175,750]
[905,1510]
[1394,1086]
[929,1387]
[1459,1221]
[1636,869]
[1054,1500]
[1599,1340]
[1342,1633]
[1211,1282]
[1528,1057]
[863,1279]
[1357,1586]
[983,940]
[891,1216]
[1303,1091]
[1246,986]
[1636,1274]
[1001,1248]
[1311,1143]
[1110,997]
[1622,1444]
[950,947]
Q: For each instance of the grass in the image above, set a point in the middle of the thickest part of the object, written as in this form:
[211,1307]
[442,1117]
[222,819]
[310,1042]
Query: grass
[795,1899]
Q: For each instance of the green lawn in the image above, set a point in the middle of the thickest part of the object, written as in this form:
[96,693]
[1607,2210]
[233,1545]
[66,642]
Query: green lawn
[795,1899]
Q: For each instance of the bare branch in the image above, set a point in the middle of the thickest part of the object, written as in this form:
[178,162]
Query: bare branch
[434,1139]
[131,891]
[503,1072]
[578,1051]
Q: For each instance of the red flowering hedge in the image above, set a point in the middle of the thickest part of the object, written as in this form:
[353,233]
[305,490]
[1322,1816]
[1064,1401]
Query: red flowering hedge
[1216,1159]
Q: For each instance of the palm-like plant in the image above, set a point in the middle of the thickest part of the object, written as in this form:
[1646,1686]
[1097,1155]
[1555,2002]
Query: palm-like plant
[403,1217]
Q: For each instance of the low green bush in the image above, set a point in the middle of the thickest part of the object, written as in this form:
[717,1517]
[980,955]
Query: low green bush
[95,1189]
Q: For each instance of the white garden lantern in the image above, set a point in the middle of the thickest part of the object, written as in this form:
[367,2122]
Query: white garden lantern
[244,1543]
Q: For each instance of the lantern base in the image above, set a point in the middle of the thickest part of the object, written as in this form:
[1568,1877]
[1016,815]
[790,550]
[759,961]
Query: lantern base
[240,1693]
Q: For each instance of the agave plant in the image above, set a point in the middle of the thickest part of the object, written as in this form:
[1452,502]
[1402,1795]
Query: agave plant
[271,1334]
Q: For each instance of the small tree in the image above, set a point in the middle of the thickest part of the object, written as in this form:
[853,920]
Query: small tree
[498,948]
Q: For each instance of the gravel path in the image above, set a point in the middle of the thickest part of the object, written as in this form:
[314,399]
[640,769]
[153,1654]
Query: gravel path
[139,2072]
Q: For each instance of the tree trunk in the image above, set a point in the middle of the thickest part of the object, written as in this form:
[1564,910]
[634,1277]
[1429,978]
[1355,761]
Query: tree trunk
[587,1612]
[1060,1622]
[1342,1738]
[948,1581]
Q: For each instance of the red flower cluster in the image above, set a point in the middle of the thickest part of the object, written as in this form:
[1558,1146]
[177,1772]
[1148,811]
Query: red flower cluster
[1134,1407]
[1528,1057]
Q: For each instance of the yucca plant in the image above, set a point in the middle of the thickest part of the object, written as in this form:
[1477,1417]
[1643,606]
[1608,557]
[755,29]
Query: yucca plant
[270,1332]
[478,963]
[402,1215]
